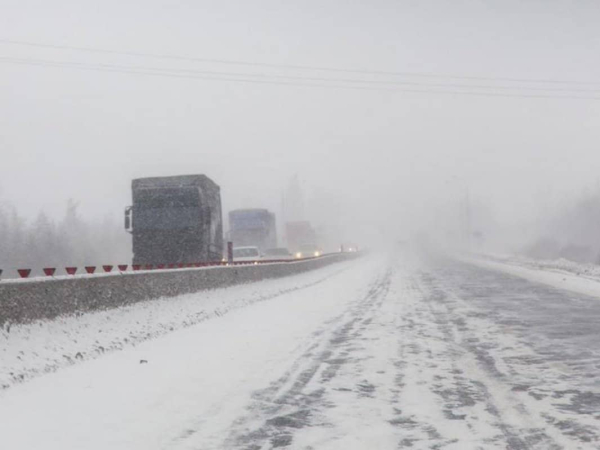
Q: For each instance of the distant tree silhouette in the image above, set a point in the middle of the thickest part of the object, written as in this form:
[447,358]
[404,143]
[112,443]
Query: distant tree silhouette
[70,241]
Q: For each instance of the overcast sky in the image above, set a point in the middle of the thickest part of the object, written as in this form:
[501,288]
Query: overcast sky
[381,155]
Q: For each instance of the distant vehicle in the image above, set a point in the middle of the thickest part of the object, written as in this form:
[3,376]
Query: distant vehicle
[246,254]
[308,251]
[299,233]
[277,253]
[175,220]
[350,248]
[253,227]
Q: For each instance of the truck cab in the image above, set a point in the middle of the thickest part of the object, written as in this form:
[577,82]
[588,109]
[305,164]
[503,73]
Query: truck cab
[175,220]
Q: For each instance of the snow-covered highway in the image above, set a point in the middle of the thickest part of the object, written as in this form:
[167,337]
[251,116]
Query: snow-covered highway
[379,353]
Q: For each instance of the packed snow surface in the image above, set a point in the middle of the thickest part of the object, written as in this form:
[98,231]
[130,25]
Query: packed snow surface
[379,353]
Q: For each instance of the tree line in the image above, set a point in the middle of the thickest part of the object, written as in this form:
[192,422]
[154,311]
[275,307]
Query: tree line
[70,241]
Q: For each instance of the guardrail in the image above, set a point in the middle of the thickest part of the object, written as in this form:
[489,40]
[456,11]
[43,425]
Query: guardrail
[26,300]
[108,268]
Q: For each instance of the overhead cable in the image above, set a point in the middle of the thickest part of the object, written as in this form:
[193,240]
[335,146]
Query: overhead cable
[247,78]
[287,66]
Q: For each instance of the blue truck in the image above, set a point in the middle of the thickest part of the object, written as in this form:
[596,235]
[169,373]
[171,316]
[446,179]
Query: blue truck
[253,227]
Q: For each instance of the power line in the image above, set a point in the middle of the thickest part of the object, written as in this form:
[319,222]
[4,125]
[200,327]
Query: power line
[288,66]
[143,69]
[233,77]
[291,77]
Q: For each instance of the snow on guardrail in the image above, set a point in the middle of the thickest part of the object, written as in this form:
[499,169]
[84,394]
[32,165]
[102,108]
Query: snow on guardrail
[108,268]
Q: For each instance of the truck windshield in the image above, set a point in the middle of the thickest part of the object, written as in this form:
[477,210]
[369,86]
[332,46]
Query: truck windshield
[245,252]
[166,209]
[248,221]
[166,198]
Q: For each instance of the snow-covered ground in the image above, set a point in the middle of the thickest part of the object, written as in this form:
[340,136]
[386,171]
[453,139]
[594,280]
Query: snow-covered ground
[558,265]
[560,273]
[377,353]
[44,346]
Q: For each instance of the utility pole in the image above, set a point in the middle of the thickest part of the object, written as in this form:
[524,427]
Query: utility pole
[283,220]
[468,219]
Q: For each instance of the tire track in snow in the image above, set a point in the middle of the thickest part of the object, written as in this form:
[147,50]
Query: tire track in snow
[466,390]
[295,401]
[486,315]
[418,362]
[417,393]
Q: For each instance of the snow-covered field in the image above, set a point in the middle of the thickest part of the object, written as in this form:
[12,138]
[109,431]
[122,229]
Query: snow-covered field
[378,353]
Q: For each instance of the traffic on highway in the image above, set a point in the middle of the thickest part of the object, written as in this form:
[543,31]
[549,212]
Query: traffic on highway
[310,225]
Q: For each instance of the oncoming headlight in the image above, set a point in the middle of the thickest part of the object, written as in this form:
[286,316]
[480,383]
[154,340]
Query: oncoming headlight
[317,253]
[298,255]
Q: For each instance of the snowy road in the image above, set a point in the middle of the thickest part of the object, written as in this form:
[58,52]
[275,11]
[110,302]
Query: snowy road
[383,353]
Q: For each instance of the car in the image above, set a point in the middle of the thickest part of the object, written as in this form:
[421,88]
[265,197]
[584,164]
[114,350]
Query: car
[277,253]
[241,254]
[308,251]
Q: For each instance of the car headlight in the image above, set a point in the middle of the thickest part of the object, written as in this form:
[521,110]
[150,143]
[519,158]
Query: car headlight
[317,253]
[298,255]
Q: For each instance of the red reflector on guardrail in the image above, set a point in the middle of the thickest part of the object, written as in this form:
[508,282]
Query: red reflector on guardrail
[71,270]
[122,267]
[24,273]
[90,269]
[107,268]
[136,266]
[49,271]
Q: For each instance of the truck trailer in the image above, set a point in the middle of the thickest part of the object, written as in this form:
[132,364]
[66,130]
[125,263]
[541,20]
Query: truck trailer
[175,220]
[299,234]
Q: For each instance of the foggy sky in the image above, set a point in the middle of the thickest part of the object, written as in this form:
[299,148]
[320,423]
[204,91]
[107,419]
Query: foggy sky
[386,159]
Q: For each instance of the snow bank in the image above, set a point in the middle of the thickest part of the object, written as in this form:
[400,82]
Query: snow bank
[567,275]
[27,300]
[563,265]
[28,350]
